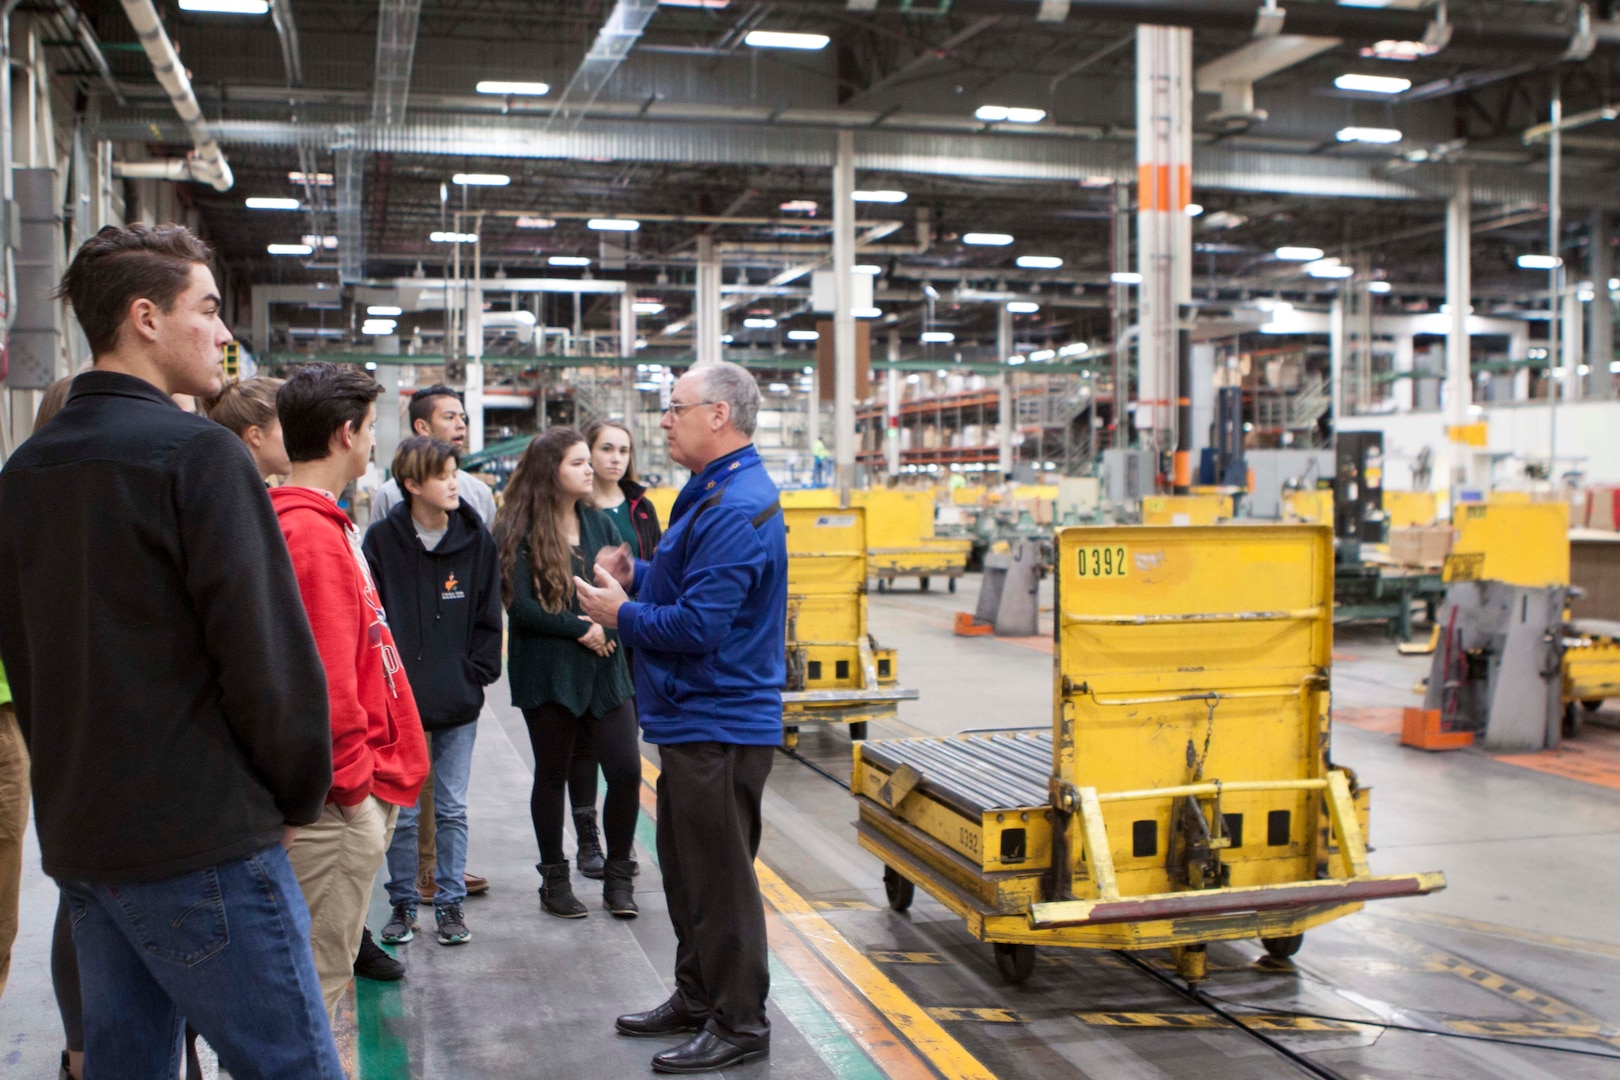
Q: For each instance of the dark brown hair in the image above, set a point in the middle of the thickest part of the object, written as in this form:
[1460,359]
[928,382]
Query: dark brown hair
[245,404]
[316,402]
[529,515]
[595,429]
[118,266]
[421,459]
[421,407]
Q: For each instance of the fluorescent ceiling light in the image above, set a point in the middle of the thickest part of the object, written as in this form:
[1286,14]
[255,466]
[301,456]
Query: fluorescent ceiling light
[378,329]
[1192,209]
[478,179]
[1298,254]
[997,114]
[646,307]
[1379,286]
[1540,262]
[778,39]
[513,89]
[1373,84]
[867,312]
[453,237]
[716,4]
[227,7]
[289,249]
[1074,350]
[726,339]
[536,223]
[320,179]
[759,324]
[1369,135]
[1127,277]
[606,224]
[1041,354]
[878,196]
[1023,307]
[568,260]
[384,309]
[798,206]
[272,204]
[803,335]
[1329,268]
[937,337]
[868,269]
[988,239]
[1389,49]
[330,243]
[1039,262]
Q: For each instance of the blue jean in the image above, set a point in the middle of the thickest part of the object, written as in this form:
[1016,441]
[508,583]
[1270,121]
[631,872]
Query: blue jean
[451,752]
[225,948]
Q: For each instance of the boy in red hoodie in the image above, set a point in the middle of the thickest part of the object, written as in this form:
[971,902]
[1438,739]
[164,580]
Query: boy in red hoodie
[379,755]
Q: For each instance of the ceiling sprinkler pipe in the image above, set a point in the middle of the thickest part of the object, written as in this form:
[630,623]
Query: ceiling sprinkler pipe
[208,163]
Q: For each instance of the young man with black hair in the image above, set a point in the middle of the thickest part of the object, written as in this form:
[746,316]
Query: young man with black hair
[436,412]
[379,757]
[166,683]
[437,570]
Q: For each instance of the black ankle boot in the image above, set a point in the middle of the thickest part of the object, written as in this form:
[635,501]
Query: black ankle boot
[589,859]
[618,888]
[556,894]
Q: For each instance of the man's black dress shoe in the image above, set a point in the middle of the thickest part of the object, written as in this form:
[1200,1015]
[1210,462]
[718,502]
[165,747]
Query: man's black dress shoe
[667,1019]
[706,1052]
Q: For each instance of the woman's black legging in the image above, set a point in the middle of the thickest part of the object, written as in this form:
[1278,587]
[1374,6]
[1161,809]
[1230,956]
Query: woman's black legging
[553,730]
[582,771]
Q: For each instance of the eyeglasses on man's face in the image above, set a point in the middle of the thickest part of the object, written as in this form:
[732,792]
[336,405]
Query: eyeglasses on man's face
[676,406]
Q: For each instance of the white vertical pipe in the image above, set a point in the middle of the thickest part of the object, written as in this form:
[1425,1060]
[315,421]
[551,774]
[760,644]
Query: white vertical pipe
[1459,295]
[1572,346]
[627,349]
[1004,402]
[474,398]
[891,427]
[706,328]
[844,316]
[1555,276]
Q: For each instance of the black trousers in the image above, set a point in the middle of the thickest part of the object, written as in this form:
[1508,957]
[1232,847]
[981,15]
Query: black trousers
[708,834]
[552,733]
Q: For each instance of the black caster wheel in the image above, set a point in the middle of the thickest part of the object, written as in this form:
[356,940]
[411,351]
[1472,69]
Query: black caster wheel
[951,585]
[899,891]
[923,584]
[857,731]
[1281,948]
[1593,705]
[1015,962]
[1573,721]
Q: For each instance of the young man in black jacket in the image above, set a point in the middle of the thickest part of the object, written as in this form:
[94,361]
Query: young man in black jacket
[167,684]
[437,571]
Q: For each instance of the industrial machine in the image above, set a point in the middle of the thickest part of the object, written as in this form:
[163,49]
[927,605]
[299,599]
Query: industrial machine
[1184,793]
[1200,509]
[836,673]
[1358,487]
[1590,669]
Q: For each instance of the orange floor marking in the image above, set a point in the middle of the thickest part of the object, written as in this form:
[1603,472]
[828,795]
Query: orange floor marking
[1593,757]
[1384,721]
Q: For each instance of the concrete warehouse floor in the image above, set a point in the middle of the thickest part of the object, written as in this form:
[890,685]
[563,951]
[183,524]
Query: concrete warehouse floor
[1519,947]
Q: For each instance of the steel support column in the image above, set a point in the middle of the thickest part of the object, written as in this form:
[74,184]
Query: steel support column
[1600,353]
[1004,402]
[891,427]
[1164,87]
[844,316]
[1337,354]
[627,349]
[706,322]
[1459,296]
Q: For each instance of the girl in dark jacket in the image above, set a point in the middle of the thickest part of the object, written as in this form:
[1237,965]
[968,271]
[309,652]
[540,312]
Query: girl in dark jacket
[568,674]
[616,494]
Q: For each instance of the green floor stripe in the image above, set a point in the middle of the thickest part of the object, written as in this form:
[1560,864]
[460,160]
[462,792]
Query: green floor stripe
[379,1014]
[842,1055]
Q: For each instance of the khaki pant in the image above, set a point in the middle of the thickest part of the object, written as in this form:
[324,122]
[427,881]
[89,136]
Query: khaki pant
[427,852]
[336,862]
[13,825]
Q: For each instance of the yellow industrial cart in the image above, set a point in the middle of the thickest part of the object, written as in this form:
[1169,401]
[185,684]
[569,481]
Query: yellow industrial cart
[836,672]
[901,540]
[1591,668]
[1184,794]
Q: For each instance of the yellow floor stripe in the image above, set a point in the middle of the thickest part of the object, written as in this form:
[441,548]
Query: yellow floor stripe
[1512,933]
[945,1054]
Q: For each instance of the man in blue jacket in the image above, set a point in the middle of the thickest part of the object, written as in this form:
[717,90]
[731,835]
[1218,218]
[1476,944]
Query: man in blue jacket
[707,625]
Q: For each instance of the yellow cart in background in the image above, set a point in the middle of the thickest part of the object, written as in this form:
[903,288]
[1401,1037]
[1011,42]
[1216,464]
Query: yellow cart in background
[901,541]
[1184,793]
[836,671]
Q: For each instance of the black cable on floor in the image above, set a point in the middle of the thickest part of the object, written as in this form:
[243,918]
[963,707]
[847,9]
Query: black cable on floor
[813,767]
[1198,998]
[1421,1030]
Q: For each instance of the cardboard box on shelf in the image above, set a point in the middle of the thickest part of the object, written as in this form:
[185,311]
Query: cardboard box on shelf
[1420,545]
[1603,509]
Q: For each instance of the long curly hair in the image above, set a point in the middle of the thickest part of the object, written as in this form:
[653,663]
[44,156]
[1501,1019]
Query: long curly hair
[529,515]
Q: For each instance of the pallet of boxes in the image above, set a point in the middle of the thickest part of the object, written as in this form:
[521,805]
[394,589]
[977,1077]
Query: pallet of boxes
[1420,547]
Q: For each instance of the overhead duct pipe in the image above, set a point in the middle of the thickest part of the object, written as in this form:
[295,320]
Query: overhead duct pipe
[207,162]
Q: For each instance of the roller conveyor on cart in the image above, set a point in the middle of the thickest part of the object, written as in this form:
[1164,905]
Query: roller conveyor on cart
[1183,794]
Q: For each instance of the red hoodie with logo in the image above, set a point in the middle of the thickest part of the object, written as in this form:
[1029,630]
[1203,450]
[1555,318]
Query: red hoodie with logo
[377,742]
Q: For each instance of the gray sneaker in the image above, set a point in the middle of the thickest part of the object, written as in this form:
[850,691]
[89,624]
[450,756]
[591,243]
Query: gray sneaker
[401,925]
[452,925]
